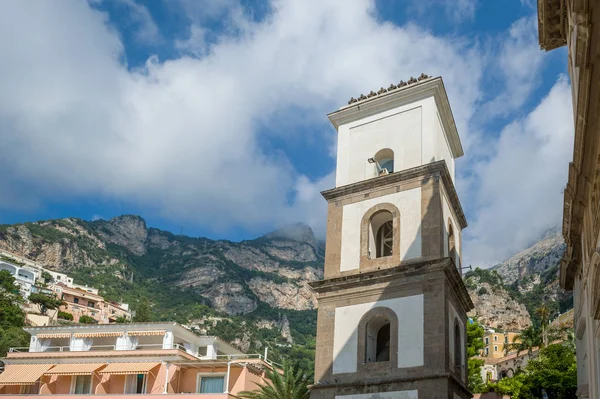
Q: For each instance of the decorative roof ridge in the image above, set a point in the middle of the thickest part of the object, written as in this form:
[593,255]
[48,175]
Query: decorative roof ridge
[391,88]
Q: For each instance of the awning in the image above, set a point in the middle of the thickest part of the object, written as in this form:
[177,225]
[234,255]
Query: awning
[75,369]
[137,333]
[23,374]
[98,334]
[57,335]
[129,368]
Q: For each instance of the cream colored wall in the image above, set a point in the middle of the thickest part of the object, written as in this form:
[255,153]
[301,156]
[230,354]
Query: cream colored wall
[409,311]
[414,394]
[408,203]
[413,131]
[398,129]
[442,147]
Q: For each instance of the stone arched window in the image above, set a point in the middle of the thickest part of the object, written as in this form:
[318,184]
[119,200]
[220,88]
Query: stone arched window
[378,337]
[451,242]
[458,356]
[380,236]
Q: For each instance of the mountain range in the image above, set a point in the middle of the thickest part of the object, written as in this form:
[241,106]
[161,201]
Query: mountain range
[253,293]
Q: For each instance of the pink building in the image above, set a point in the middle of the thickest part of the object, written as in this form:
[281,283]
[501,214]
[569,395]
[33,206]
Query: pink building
[123,359]
[80,302]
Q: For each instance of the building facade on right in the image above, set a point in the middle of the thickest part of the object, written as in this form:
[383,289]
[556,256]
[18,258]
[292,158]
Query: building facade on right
[575,23]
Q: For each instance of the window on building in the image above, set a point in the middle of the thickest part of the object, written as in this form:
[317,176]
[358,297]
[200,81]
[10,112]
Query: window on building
[495,348]
[495,338]
[75,300]
[487,341]
[135,383]
[211,384]
[487,351]
[81,385]
[378,340]
[457,346]
[451,243]
[385,239]
[381,236]
[384,162]
[506,339]
[31,389]
[91,304]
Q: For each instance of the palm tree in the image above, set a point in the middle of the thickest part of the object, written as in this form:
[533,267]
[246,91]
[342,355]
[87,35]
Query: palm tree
[544,314]
[292,384]
[527,340]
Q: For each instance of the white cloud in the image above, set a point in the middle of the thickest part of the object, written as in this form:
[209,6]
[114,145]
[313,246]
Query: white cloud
[519,193]
[517,65]
[146,31]
[181,137]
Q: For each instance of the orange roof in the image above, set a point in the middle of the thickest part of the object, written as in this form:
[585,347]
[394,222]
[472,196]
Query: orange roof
[23,374]
[129,368]
[75,369]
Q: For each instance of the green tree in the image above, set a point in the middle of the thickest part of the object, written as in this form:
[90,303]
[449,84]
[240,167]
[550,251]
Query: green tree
[85,319]
[12,318]
[121,320]
[476,383]
[528,339]
[475,345]
[45,301]
[13,337]
[65,315]
[554,371]
[47,277]
[11,314]
[544,314]
[142,313]
[292,384]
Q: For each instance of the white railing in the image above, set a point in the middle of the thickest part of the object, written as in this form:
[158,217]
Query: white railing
[231,357]
[67,348]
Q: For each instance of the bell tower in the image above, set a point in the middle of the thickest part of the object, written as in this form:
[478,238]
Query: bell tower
[392,304]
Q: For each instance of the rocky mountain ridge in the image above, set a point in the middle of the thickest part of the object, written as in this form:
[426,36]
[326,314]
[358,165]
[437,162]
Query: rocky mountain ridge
[253,292]
[508,295]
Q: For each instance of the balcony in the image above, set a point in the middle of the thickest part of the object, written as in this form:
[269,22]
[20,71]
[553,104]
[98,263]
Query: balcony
[101,351]
[112,351]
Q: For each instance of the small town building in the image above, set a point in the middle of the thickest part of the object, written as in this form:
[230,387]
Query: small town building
[497,343]
[113,360]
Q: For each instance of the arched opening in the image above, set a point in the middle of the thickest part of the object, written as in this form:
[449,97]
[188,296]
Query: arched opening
[451,243]
[378,340]
[384,162]
[457,347]
[381,235]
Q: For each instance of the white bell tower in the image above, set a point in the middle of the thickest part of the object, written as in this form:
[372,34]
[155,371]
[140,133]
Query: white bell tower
[392,305]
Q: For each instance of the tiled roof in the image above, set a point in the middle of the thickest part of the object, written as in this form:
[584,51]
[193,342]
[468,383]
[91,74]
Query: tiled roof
[392,87]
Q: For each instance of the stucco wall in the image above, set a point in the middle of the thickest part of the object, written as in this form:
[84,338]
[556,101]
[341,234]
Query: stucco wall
[409,311]
[414,394]
[408,203]
[398,129]
[413,131]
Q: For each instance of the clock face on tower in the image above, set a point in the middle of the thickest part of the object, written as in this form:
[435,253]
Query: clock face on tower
[392,305]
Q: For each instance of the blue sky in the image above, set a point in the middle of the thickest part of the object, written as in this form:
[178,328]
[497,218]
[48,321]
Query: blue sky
[209,116]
